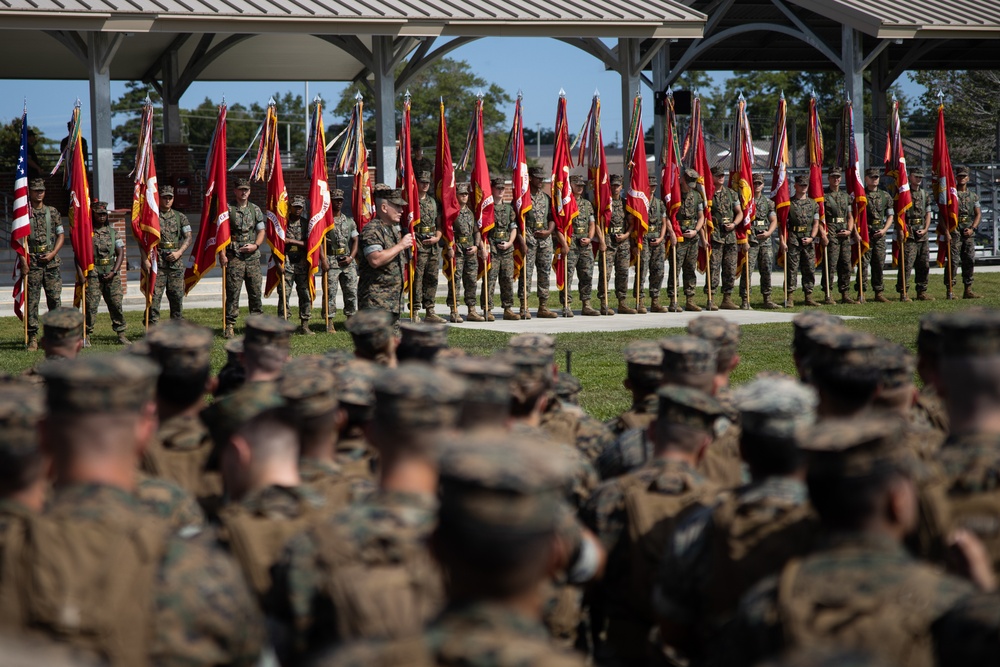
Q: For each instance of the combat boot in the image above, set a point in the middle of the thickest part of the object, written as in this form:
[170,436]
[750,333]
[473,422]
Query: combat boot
[675,307]
[488,314]
[228,332]
[605,309]
[587,310]
[509,314]
[330,328]
[304,329]
[879,297]
[829,301]
[432,318]
[924,296]
[624,309]
[905,298]
[809,301]
[691,306]
[711,306]
[32,343]
[655,307]
[567,312]
[640,306]
[727,303]
[544,312]
[846,298]
[769,304]
[86,341]
[744,304]
[455,318]
[474,315]
[525,313]
[969,294]
[123,339]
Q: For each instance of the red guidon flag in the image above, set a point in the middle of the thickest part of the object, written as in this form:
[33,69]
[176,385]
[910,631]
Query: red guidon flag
[407,181]
[697,158]
[670,177]
[895,167]
[741,180]
[81,227]
[855,186]
[945,190]
[213,236]
[444,188]
[564,209]
[637,198]
[778,162]
[515,160]
[21,228]
[592,153]
[320,215]
[268,168]
[482,191]
[146,203]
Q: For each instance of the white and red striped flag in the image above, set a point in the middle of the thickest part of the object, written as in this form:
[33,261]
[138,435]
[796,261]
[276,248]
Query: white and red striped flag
[21,228]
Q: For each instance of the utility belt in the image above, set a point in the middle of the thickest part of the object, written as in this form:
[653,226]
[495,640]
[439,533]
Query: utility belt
[103,262]
[167,246]
[500,237]
[339,251]
[687,225]
[293,250]
[462,242]
[801,229]
[964,219]
[725,221]
[539,225]
[38,249]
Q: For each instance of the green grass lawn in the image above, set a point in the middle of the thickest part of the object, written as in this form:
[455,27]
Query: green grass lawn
[596,357]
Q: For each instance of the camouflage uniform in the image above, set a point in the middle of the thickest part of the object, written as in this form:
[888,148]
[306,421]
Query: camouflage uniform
[171,503]
[802,214]
[539,254]
[425,278]
[654,256]
[296,272]
[619,254]
[244,223]
[838,251]
[879,208]
[760,254]
[917,249]
[581,257]
[46,225]
[106,243]
[724,249]
[687,249]
[338,246]
[502,260]
[963,250]
[174,226]
[467,266]
[382,287]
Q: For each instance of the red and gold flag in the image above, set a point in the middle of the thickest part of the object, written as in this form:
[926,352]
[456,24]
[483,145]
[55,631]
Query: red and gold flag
[482,190]
[406,180]
[696,158]
[670,177]
[353,159]
[592,153]
[564,209]
[895,168]
[741,179]
[268,168]
[444,188]
[945,190]
[320,215]
[515,160]
[81,227]
[814,138]
[855,185]
[213,235]
[778,164]
[146,203]
[637,198]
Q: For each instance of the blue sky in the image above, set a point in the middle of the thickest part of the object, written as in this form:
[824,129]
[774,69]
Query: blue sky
[538,67]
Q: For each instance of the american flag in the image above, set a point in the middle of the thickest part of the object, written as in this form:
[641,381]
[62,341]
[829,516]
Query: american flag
[21,228]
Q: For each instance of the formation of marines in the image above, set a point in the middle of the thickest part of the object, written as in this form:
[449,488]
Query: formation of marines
[366,265]
[409,503]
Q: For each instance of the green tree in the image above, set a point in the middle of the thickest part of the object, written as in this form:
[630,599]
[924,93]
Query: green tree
[10,144]
[972,110]
[455,83]
[241,126]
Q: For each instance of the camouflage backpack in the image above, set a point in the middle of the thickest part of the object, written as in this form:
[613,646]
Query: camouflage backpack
[88,582]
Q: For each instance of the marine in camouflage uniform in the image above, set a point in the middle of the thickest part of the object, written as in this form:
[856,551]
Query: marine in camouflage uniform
[691,219]
[428,235]
[44,242]
[500,510]
[643,359]
[654,255]
[538,237]
[246,227]
[726,211]
[916,248]
[803,223]
[504,233]
[21,408]
[618,252]
[860,589]
[105,280]
[760,251]
[581,257]
[170,599]
[466,254]
[879,216]
[296,266]
[963,239]
[341,258]
[355,393]
[366,573]
[839,233]
[719,551]
[381,288]
[633,516]
[175,237]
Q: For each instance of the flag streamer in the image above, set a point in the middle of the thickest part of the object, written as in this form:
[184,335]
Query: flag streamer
[444,188]
[564,209]
[899,188]
[146,204]
[516,161]
[741,180]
